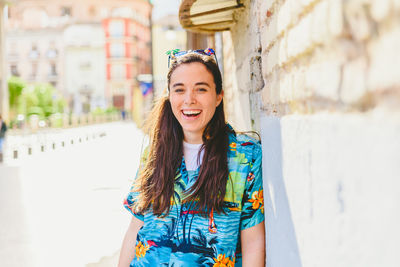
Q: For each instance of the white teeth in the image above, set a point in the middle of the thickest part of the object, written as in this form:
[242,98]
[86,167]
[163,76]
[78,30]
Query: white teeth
[191,112]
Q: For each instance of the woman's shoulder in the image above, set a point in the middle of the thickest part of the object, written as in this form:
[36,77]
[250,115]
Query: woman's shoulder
[244,143]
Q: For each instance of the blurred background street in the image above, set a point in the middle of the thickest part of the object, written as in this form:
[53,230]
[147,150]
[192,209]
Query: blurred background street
[64,207]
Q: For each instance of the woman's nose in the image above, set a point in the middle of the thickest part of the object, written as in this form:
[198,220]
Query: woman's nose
[190,98]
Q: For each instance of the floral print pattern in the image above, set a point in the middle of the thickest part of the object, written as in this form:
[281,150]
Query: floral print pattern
[184,237]
[223,261]
[141,250]
[258,200]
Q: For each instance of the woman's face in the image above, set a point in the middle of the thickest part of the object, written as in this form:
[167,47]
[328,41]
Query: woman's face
[193,99]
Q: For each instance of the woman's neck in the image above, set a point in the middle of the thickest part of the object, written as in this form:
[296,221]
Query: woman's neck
[193,138]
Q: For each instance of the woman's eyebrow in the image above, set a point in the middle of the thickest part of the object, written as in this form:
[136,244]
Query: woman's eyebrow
[177,84]
[198,83]
[203,83]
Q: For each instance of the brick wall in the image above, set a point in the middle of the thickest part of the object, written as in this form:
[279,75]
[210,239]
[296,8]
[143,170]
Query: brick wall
[328,54]
[320,80]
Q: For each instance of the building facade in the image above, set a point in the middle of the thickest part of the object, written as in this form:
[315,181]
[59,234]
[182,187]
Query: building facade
[128,55]
[106,42]
[84,61]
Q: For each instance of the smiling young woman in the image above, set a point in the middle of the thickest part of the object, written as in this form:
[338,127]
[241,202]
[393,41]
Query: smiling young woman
[193,98]
[198,198]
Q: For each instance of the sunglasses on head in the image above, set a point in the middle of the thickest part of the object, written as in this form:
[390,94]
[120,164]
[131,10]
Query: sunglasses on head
[172,54]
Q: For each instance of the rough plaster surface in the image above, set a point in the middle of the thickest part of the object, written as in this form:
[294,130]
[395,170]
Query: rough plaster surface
[332,189]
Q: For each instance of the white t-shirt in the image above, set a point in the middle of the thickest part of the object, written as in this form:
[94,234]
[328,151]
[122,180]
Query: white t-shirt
[190,153]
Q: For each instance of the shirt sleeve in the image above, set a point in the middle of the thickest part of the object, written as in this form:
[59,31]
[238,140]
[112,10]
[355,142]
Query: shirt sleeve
[253,197]
[129,201]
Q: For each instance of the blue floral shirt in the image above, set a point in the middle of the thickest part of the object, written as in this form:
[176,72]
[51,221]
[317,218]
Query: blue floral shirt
[184,237]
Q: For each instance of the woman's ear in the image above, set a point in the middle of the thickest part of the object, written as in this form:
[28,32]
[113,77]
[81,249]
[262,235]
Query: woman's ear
[220,96]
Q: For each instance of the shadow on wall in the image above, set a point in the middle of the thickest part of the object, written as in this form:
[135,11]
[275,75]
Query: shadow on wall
[282,247]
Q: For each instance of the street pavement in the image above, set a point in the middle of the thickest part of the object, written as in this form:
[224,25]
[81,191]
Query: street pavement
[63,207]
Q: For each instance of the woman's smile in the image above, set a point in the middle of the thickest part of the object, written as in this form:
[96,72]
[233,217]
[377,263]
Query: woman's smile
[191,114]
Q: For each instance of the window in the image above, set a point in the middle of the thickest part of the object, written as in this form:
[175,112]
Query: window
[118,71]
[66,11]
[53,69]
[51,53]
[14,70]
[117,28]
[34,53]
[117,50]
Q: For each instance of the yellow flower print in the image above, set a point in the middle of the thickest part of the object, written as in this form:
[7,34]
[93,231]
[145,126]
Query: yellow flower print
[221,261]
[141,249]
[257,198]
[233,146]
[231,263]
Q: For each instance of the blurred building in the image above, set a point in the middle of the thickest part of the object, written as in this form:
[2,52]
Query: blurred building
[168,34]
[90,50]
[36,56]
[84,61]
[128,52]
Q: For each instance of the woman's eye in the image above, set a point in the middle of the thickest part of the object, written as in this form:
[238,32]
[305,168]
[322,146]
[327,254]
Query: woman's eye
[178,90]
[202,89]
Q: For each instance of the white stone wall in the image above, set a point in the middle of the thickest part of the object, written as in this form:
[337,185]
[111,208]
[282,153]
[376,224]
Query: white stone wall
[320,80]
[331,189]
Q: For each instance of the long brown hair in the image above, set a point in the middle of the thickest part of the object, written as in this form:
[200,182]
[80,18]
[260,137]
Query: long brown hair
[156,178]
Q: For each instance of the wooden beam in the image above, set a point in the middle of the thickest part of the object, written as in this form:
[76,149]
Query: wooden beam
[212,11]
[208,24]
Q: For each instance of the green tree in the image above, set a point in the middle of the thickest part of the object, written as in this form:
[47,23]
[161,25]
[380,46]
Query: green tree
[15,88]
[40,99]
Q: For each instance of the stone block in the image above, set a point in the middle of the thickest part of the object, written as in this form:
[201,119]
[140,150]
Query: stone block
[299,38]
[305,3]
[358,20]
[323,79]
[300,90]
[283,54]
[270,60]
[269,33]
[284,17]
[380,9]
[354,80]
[320,23]
[384,71]
[270,91]
[335,17]
[285,85]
